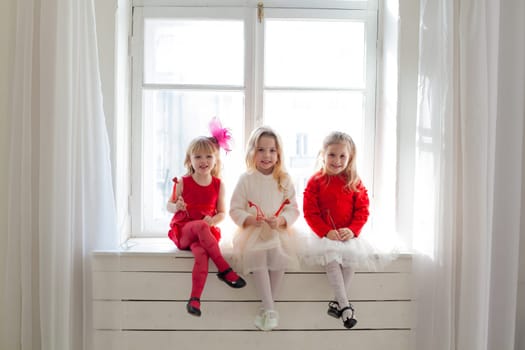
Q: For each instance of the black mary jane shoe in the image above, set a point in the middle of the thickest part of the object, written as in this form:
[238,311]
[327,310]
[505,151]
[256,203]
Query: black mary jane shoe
[349,322]
[238,283]
[333,309]
[192,310]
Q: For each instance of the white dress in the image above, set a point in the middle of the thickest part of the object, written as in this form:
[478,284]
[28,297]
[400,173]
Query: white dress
[263,248]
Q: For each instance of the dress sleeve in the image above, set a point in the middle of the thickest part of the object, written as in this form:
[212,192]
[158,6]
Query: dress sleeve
[360,210]
[311,209]
[238,203]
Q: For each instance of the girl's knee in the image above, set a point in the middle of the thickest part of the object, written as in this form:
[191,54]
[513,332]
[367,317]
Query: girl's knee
[201,224]
[199,252]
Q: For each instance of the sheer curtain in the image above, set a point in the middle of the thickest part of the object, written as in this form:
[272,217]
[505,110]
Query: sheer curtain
[60,204]
[469,173]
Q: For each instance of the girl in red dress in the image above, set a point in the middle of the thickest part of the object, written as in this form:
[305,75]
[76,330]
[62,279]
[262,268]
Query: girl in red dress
[198,206]
[335,206]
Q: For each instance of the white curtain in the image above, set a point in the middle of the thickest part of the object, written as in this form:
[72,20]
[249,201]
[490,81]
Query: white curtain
[470,145]
[60,204]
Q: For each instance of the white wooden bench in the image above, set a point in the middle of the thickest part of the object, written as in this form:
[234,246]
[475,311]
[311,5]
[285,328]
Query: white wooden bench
[139,302]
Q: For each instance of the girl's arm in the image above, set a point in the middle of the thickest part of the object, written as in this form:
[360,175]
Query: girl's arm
[177,203]
[312,211]
[360,210]
[239,203]
[290,212]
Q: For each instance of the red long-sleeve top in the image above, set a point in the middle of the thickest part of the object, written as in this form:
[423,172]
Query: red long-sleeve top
[328,203]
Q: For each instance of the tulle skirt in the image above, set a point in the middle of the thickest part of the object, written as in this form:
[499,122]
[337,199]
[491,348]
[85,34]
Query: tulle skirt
[264,248]
[358,253]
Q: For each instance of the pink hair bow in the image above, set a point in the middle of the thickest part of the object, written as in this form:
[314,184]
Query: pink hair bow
[222,135]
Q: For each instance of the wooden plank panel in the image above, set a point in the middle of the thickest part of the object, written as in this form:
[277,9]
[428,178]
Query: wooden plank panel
[183,261]
[256,340]
[134,315]
[296,286]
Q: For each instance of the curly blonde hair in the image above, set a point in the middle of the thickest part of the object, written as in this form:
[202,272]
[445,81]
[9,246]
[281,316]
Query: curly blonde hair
[206,145]
[350,172]
[279,172]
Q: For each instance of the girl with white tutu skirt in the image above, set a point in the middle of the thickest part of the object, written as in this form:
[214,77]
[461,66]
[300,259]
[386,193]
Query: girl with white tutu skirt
[335,207]
[264,207]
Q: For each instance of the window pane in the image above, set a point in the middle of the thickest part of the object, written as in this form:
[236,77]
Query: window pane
[315,53]
[193,52]
[172,120]
[303,119]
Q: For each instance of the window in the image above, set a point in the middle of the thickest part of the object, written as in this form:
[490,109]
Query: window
[305,72]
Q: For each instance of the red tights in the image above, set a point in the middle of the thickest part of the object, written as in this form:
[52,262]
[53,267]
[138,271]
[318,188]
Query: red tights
[197,236]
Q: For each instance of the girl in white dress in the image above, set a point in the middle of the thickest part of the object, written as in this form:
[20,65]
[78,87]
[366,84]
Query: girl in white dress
[264,207]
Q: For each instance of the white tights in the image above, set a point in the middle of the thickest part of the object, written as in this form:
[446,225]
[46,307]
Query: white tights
[339,278]
[267,284]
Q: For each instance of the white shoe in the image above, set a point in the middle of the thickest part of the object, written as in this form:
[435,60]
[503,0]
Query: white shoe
[259,319]
[271,320]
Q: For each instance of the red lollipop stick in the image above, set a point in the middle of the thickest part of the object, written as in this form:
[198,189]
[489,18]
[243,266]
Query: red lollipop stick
[260,214]
[285,202]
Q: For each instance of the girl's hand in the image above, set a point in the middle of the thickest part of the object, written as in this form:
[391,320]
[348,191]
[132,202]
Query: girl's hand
[171,207]
[180,204]
[252,221]
[333,235]
[208,219]
[275,222]
[346,234]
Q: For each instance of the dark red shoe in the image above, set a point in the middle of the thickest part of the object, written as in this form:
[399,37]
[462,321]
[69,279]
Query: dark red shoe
[238,283]
[192,309]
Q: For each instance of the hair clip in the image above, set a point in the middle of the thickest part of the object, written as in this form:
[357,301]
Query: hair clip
[222,135]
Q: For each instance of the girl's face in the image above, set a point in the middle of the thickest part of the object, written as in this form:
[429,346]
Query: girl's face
[266,155]
[336,158]
[203,162]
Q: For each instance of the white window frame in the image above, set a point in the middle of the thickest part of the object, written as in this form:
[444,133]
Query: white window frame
[253,82]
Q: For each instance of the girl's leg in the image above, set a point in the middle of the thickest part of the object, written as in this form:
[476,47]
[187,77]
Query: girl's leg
[199,230]
[335,278]
[200,269]
[198,277]
[267,318]
[261,279]
[348,274]
[267,284]
[276,276]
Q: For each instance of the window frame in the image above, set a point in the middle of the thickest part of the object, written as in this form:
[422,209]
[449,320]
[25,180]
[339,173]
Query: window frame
[253,79]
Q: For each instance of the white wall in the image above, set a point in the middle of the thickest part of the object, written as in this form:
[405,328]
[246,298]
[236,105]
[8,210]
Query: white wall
[7,33]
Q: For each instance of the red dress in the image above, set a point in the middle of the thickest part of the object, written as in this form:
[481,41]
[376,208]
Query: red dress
[200,201]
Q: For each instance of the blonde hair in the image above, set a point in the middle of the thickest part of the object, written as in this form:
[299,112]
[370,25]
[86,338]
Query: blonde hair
[279,172]
[206,145]
[350,172]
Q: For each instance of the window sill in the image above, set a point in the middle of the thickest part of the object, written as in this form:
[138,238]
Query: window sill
[164,246]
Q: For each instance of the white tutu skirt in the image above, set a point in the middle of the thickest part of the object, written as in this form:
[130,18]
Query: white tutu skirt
[357,253]
[263,248]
